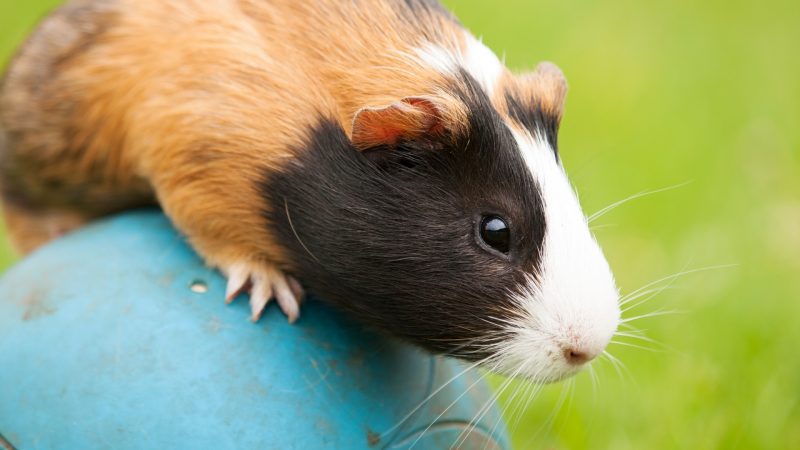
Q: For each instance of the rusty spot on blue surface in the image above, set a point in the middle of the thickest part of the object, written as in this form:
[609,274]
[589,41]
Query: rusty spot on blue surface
[373,438]
[35,307]
[5,445]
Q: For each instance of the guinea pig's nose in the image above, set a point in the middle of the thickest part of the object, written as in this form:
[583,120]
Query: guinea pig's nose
[576,355]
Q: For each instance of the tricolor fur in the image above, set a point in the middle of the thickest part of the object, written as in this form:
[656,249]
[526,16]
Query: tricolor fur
[353,144]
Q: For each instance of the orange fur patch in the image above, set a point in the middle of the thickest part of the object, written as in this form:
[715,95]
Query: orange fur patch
[194,102]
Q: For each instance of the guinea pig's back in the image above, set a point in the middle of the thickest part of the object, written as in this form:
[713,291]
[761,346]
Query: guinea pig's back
[105,96]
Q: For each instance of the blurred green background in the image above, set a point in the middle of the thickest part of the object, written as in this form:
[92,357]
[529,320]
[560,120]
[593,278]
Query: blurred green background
[662,93]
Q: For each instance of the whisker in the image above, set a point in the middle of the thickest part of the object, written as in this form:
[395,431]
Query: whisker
[628,344]
[676,275]
[655,291]
[503,411]
[485,409]
[615,363]
[548,423]
[532,391]
[630,379]
[652,314]
[629,308]
[469,388]
[431,395]
[291,225]
[595,382]
[637,336]
[632,329]
[571,389]
[658,346]
[600,227]
[618,203]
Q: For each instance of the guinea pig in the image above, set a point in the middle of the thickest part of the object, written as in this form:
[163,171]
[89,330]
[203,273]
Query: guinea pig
[372,149]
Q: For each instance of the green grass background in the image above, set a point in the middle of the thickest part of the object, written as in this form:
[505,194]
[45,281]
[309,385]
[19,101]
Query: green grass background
[662,93]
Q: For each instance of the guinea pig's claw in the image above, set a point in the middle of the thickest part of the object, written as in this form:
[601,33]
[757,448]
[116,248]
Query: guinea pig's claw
[238,280]
[265,284]
[260,294]
[296,288]
[290,297]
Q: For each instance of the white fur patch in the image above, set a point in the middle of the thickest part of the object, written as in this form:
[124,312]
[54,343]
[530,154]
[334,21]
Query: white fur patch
[477,59]
[437,57]
[482,64]
[574,304]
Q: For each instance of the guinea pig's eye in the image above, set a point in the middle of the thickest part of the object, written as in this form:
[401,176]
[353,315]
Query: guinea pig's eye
[495,233]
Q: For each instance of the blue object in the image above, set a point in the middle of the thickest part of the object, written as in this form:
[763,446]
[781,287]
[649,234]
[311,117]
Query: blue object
[117,336]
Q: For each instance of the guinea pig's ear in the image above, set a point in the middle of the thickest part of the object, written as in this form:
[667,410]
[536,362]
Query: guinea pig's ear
[546,86]
[411,118]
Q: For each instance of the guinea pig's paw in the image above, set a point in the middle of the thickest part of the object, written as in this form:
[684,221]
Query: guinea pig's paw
[264,282]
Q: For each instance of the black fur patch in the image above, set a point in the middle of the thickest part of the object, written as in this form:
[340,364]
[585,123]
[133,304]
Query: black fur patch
[534,119]
[392,239]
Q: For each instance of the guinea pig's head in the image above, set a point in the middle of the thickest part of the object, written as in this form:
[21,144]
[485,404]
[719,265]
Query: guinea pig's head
[447,220]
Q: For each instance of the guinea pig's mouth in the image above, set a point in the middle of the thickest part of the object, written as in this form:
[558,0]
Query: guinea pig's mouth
[541,367]
[544,367]
[558,377]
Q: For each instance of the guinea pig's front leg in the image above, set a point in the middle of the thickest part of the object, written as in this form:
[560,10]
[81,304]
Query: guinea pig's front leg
[228,231]
[264,283]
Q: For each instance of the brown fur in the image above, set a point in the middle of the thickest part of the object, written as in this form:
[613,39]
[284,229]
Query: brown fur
[113,104]
[546,86]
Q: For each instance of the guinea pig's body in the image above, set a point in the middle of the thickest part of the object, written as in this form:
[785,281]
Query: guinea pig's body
[374,150]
